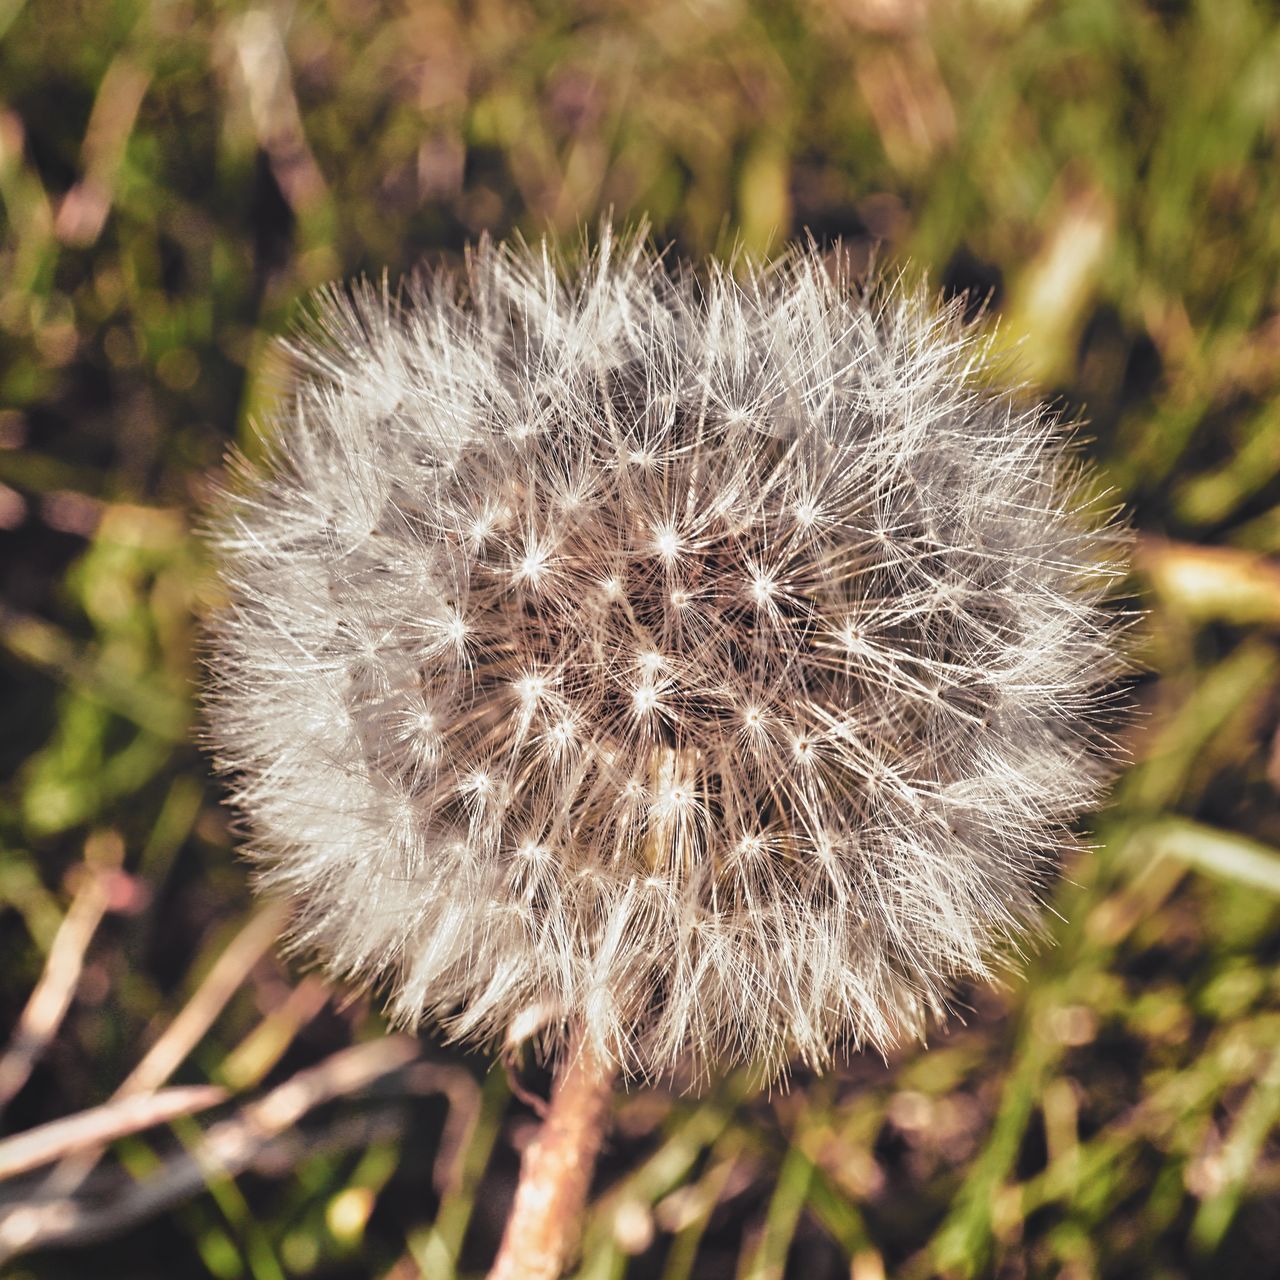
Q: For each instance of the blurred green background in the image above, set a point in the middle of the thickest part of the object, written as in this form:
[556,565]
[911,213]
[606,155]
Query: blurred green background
[1101,174]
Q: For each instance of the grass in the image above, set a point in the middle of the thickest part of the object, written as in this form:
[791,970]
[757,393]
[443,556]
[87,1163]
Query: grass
[175,175]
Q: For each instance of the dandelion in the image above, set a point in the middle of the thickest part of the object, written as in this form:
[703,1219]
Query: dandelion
[676,670]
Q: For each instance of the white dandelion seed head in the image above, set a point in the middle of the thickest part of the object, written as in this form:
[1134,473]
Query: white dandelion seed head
[708,661]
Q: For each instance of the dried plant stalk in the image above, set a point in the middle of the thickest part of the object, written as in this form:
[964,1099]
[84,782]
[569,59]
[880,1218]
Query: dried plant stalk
[542,1231]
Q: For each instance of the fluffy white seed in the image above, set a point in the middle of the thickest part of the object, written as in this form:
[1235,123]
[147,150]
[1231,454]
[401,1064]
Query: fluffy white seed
[708,661]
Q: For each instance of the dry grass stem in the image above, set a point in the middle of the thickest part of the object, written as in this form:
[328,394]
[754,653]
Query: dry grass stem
[180,1036]
[53,994]
[98,1125]
[227,1149]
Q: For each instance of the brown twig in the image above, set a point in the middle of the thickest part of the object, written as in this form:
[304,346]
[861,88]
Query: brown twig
[542,1231]
[97,1125]
[228,1148]
[463,1096]
[83,1223]
[199,1013]
[533,1101]
[52,996]
[264,1046]
[182,1035]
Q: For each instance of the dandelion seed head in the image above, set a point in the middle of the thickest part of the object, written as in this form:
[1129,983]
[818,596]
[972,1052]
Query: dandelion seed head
[712,662]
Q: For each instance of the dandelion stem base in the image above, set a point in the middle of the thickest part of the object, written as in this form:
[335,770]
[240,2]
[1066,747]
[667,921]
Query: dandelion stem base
[543,1229]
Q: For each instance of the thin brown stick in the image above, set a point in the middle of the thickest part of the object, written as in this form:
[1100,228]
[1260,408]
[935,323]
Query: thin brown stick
[54,992]
[49,1142]
[249,1062]
[223,980]
[186,1030]
[64,1222]
[463,1096]
[227,1149]
[543,1230]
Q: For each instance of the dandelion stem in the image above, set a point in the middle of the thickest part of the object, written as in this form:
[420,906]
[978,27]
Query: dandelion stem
[542,1231]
